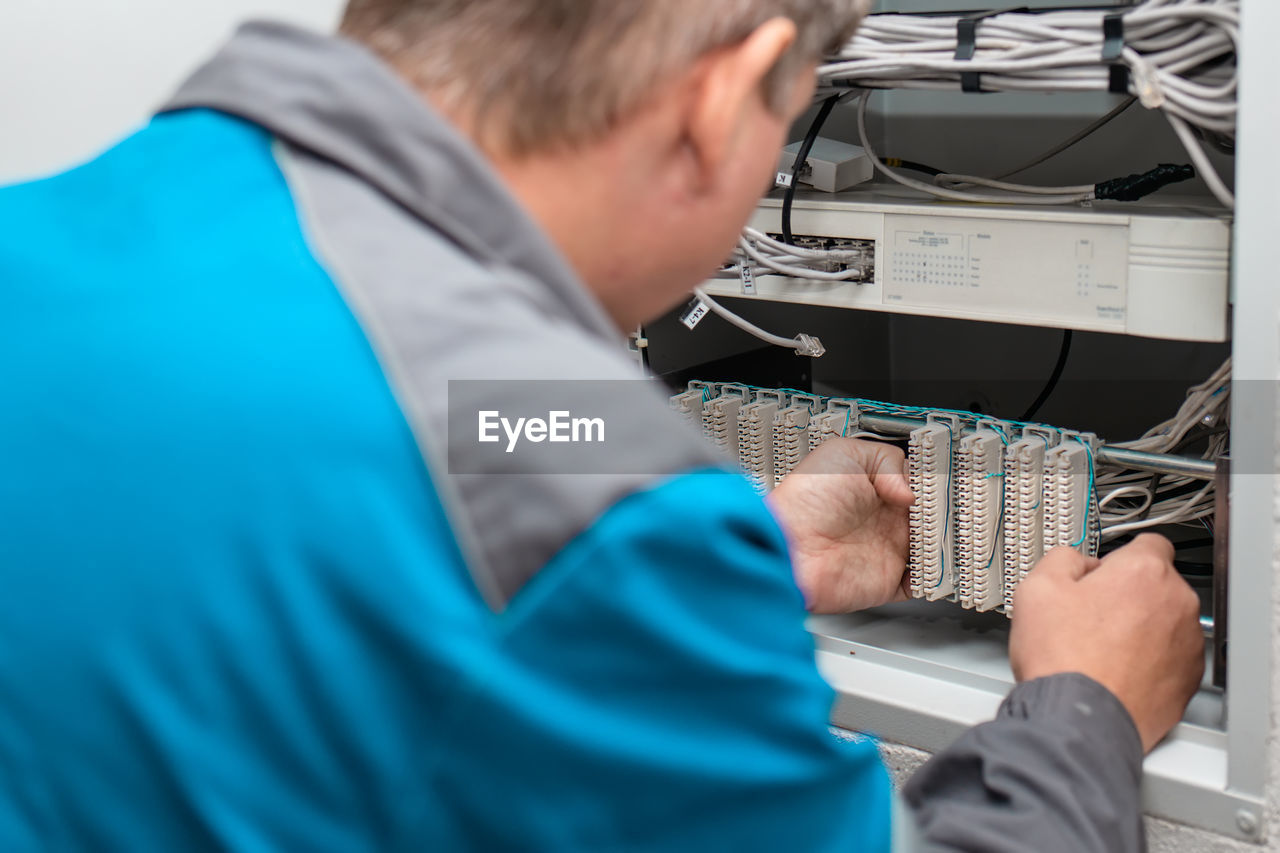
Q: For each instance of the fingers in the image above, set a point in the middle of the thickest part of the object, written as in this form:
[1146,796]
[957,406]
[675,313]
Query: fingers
[884,465]
[1150,545]
[1066,563]
[1150,556]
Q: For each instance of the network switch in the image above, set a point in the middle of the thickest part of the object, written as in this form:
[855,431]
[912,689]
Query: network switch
[1152,268]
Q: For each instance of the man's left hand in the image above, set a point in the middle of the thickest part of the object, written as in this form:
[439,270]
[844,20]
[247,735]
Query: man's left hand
[844,510]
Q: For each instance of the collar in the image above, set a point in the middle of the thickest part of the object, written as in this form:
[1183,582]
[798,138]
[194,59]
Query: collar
[335,99]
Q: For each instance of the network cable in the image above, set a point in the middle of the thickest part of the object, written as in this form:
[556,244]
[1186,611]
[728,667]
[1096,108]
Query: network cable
[1177,56]
[801,161]
[803,344]
[950,187]
[766,254]
[1054,378]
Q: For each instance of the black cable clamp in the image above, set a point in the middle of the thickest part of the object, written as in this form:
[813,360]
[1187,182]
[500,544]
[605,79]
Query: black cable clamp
[1135,187]
[1113,53]
[967,45]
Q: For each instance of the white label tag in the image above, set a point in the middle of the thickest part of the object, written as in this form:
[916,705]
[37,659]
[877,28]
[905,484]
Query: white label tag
[748,279]
[785,179]
[695,315]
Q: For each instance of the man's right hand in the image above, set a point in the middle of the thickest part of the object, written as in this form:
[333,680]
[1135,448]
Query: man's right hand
[1129,622]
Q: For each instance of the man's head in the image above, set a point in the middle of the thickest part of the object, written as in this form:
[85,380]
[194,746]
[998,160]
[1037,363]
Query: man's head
[640,133]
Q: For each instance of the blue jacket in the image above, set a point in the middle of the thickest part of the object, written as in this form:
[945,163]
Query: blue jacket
[265,584]
[253,600]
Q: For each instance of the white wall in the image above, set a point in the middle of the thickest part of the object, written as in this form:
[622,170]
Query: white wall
[77,75]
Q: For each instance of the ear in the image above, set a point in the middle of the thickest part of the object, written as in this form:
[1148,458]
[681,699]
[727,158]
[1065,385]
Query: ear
[731,87]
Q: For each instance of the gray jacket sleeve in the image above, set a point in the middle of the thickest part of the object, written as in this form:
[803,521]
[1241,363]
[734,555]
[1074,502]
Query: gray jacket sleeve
[1059,769]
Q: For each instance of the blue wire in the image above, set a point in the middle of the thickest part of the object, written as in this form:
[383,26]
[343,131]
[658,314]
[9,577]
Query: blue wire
[1088,501]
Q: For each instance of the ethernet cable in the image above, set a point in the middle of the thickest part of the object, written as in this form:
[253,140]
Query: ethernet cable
[1056,196]
[1179,56]
[803,344]
[1162,500]
[827,265]
[1201,160]
[1186,511]
[1127,491]
[1205,402]
[948,186]
[797,262]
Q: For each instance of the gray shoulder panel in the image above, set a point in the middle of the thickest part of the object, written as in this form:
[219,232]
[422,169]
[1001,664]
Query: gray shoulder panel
[460,340]
[332,98]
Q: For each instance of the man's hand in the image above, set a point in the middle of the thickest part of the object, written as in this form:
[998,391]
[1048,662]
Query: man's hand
[844,510]
[1129,622]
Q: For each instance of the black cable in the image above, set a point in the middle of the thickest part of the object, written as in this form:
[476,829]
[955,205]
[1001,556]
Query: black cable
[1080,136]
[1021,10]
[1054,378]
[802,160]
[1154,488]
[1192,438]
[1135,187]
[897,163]
[1184,545]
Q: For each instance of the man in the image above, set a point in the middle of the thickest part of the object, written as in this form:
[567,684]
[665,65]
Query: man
[265,588]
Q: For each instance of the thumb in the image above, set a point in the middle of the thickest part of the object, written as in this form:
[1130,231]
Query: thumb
[890,478]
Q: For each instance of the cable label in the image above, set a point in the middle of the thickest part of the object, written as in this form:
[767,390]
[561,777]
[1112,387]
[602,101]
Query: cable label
[695,314]
[784,180]
[748,279]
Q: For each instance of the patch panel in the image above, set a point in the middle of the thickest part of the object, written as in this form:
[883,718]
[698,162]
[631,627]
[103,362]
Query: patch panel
[992,496]
[1066,496]
[1024,466]
[979,500]
[931,549]
[689,405]
[757,421]
[791,434]
[720,417]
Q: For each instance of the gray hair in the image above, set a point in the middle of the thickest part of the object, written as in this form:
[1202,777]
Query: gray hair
[536,74]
